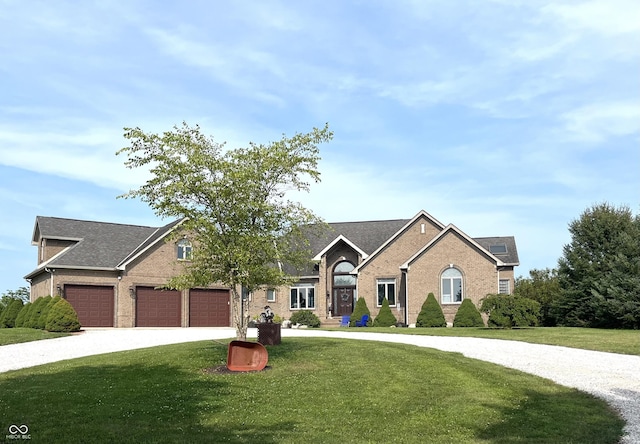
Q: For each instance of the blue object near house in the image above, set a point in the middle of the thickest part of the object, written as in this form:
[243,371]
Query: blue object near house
[363,322]
[345,321]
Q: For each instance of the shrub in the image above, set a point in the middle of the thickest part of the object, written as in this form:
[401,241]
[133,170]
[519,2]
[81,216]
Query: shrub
[507,311]
[305,317]
[10,313]
[24,314]
[51,301]
[431,314]
[360,310]
[62,318]
[36,312]
[385,318]
[468,315]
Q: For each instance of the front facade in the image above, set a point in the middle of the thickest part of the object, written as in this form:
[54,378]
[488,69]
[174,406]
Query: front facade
[111,273]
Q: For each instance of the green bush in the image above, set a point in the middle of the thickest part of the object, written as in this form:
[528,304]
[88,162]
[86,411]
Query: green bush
[10,313]
[305,317]
[360,310]
[431,314]
[51,301]
[507,311]
[36,311]
[468,315]
[24,314]
[62,318]
[385,318]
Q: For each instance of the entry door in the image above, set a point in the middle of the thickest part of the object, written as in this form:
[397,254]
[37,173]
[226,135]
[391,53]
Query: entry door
[342,301]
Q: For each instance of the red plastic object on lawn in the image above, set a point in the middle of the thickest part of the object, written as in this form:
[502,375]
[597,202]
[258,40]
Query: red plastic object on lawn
[244,356]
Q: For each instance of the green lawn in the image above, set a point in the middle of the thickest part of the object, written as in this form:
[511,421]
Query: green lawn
[316,390]
[17,335]
[614,341]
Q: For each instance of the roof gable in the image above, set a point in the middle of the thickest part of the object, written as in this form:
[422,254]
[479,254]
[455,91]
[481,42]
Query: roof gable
[448,230]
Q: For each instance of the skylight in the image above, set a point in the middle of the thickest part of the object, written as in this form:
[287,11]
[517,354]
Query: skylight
[498,249]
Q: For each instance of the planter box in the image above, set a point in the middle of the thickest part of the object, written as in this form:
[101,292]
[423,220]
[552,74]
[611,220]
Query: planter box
[269,333]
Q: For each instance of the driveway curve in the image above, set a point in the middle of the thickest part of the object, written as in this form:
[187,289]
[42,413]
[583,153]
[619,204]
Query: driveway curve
[612,377]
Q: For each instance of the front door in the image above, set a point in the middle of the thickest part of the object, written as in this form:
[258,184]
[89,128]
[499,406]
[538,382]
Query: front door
[342,301]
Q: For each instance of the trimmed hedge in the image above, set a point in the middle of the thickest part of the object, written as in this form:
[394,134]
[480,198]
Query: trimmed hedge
[36,312]
[468,315]
[431,314]
[360,310]
[62,318]
[10,313]
[24,314]
[305,317]
[385,318]
[507,311]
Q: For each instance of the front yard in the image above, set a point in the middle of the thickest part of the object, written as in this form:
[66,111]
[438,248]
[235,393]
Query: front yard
[315,390]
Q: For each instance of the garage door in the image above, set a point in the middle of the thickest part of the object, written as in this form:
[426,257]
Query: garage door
[209,308]
[94,304]
[158,308]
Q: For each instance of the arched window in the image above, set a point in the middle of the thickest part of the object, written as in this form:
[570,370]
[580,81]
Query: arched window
[341,276]
[451,286]
[184,250]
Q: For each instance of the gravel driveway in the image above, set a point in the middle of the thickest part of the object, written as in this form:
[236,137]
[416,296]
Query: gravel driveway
[612,377]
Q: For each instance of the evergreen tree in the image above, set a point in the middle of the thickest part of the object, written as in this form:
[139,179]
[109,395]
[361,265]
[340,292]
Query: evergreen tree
[360,310]
[10,313]
[431,314]
[385,317]
[468,315]
[599,272]
[62,318]
[541,286]
[24,314]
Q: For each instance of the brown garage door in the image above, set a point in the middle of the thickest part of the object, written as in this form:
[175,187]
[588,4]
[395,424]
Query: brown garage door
[209,308]
[157,308]
[94,304]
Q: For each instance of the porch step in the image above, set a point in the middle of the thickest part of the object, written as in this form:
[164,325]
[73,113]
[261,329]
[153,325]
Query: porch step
[335,322]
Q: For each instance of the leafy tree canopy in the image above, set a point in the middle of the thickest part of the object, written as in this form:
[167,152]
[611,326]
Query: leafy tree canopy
[599,272]
[233,202]
[541,286]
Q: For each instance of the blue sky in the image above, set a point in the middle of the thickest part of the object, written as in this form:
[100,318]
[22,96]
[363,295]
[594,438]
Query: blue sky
[501,117]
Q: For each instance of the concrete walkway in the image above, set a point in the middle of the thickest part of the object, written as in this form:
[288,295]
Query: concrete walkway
[613,377]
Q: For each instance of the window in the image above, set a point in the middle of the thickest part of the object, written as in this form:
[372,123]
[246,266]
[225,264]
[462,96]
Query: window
[386,289]
[341,276]
[498,249]
[302,297]
[271,295]
[451,286]
[503,286]
[184,250]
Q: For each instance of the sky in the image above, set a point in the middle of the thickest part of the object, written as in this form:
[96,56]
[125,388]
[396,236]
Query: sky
[504,118]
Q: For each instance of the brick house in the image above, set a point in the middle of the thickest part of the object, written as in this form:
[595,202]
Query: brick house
[110,272]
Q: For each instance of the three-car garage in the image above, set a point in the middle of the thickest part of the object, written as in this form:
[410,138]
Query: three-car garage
[152,307]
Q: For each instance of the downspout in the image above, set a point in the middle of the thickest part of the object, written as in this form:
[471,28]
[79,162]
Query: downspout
[48,270]
[406,296]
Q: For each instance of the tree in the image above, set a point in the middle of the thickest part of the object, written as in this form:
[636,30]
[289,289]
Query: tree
[21,293]
[468,315]
[62,318]
[359,311]
[599,272]
[431,314]
[10,313]
[541,286]
[385,317]
[508,311]
[233,204]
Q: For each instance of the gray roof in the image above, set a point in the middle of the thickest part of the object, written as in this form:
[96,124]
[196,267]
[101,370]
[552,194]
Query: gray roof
[511,255]
[99,245]
[368,236]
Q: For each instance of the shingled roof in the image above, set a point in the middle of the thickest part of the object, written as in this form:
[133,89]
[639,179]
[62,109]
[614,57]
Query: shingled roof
[97,245]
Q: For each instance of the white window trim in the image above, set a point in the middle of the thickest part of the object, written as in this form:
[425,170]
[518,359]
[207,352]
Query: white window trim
[186,247]
[306,287]
[508,285]
[385,282]
[452,302]
[273,290]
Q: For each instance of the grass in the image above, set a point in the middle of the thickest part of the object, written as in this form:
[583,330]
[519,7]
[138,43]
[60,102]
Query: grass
[18,335]
[316,390]
[613,341]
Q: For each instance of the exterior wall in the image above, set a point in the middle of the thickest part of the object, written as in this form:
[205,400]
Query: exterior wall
[479,275]
[51,248]
[386,265]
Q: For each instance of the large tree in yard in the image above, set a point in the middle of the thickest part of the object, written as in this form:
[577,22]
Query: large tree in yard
[234,205]
[599,273]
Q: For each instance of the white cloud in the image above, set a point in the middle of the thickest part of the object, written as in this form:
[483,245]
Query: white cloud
[607,17]
[595,123]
